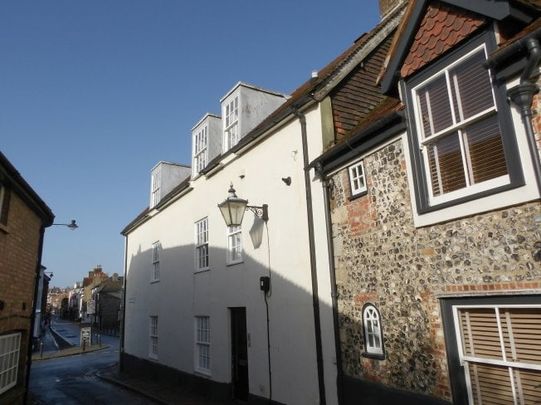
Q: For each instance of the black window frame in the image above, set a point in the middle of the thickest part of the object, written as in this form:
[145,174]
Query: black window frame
[509,141]
[457,377]
[5,195]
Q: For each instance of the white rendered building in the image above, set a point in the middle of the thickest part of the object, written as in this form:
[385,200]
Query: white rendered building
[194,307]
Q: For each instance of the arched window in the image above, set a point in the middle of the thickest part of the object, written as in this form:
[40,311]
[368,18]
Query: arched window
[373,336]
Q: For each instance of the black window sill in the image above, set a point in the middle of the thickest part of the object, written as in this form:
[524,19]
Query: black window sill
[359,195]
[373,356]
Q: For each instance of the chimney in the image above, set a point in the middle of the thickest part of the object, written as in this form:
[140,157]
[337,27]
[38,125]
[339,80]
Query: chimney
[386,6]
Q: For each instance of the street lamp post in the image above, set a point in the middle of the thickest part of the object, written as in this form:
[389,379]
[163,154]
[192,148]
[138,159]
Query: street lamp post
[72,225]
[233,208]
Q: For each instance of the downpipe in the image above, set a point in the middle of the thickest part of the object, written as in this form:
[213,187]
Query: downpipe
[522,96]
[313,269]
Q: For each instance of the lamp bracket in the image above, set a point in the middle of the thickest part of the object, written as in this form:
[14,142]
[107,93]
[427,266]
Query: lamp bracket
[260,212]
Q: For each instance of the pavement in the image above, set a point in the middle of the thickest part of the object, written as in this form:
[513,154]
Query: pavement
[153,390]
[70,351]
[157,391]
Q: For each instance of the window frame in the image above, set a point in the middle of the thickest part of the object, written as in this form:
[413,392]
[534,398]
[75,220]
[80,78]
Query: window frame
[420,171]
[153,334]
[360,191]
[4,203]
[200,148]
[155,187]
[201,243]
[12,367]
[371,351]
[232,232]
[229,124]
[457,375]
[155,273]
[199,343]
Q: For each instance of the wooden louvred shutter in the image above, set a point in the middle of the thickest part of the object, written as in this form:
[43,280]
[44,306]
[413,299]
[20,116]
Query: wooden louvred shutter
[511,336]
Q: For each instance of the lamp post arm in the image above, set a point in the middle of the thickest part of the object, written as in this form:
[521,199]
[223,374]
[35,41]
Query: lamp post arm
[260,212]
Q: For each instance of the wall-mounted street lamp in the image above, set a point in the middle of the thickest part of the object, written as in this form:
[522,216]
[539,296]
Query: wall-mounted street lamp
[233,209]
[72,225]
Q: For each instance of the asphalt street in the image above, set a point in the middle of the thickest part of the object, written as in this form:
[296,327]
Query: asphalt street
[72,380]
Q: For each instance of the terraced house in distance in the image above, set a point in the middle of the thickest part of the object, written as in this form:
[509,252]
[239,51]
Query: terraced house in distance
[433,202]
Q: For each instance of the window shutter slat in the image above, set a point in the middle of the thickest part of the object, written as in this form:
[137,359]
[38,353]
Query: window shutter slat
[531,386]
[474,87]
[486,154]
[525,333]
[446,165]
[493,384]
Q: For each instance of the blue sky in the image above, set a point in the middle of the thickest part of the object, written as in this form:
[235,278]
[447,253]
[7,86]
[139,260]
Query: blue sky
[94,93]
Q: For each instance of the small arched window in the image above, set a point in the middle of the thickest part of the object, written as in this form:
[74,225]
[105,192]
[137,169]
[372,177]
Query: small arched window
[373,335]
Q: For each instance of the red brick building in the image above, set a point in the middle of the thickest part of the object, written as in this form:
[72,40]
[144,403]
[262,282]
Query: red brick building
[23,219]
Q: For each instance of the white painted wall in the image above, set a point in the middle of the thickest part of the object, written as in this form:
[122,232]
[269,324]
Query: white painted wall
[182,294]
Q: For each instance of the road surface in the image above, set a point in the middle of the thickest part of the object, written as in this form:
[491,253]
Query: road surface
[72,380]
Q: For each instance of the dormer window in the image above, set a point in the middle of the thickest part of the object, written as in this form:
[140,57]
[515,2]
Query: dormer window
[231,130]
[463,144]
[164,177]
[155,187]
[461,137]
[200,153]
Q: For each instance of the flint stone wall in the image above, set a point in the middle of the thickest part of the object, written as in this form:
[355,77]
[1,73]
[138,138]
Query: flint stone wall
[381,258]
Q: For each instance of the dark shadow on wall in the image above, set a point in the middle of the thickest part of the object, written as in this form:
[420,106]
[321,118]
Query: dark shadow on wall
[240,283]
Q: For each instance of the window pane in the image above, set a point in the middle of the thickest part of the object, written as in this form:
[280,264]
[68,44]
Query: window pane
[485,147]
[472,81]
[377,343]
[446,164]
[435,106]
[361,182]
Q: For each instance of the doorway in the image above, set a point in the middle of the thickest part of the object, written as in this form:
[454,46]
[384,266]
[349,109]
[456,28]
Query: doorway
[239,354]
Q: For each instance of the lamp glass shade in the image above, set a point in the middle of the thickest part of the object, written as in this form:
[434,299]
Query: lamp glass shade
[232,210]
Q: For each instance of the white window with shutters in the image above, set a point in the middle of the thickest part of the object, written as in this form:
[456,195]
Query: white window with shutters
[458,130]
[10,346]
[499,347]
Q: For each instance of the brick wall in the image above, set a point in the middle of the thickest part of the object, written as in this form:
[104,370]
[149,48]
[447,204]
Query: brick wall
[19,244]
[380,257]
